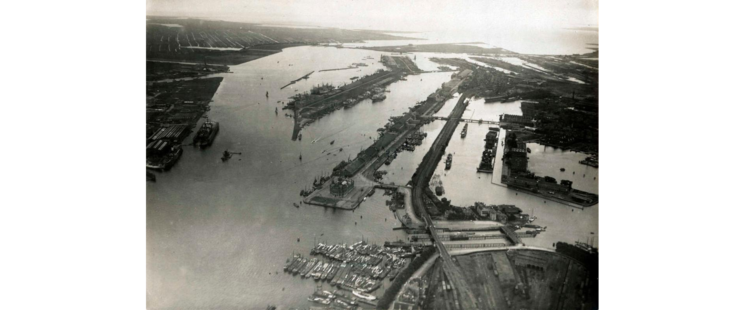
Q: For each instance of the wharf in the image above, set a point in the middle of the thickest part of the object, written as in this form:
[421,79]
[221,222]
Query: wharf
[467,120]
[363,178]
[573,198]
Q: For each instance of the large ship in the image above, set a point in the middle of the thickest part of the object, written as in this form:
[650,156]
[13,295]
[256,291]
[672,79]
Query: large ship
[206,134]
[162,154]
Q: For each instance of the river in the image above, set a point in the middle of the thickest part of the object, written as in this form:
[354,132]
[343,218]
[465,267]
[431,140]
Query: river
[218,233]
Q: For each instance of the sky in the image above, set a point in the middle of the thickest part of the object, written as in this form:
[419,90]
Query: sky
[397,15]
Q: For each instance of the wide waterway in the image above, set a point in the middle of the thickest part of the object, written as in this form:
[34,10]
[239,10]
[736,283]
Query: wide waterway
[218,233]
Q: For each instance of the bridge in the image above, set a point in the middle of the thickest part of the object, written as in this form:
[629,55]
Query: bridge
[427,168]
[511,235]
[467,120]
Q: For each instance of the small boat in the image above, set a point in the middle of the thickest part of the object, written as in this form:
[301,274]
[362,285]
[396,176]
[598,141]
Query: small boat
[332,142]
[319,300]
[363,295]
[296,205]
[301,157]
[267,94]
[562,169]
[227,155]
[150,177]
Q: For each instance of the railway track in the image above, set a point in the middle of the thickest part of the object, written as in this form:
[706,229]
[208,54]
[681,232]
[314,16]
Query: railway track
[462,292]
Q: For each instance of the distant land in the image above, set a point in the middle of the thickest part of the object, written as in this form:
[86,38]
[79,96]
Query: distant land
[442,48]
[231,43]
[596,29]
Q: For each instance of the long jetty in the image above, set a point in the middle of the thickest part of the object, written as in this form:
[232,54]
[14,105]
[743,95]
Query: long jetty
[338,69]
[297,80]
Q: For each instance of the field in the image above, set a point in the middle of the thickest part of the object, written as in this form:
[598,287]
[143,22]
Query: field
[169,70]
[516,279]
[230,43]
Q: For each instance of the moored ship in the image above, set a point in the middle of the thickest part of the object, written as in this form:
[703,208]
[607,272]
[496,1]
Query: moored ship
[378,97]
[206,134]
[363,295]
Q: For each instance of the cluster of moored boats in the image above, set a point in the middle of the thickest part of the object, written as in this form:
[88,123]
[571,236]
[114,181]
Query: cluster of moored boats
[360,267]
[376,94]
[340,300]
[412,141]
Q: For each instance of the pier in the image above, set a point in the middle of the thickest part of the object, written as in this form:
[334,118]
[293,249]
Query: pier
[467,120]
[297,80]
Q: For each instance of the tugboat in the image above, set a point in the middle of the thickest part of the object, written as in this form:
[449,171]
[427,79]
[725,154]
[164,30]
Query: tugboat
[162,155]
[228,155]
[206,134]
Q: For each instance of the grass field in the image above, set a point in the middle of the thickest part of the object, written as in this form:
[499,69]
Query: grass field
[231,43]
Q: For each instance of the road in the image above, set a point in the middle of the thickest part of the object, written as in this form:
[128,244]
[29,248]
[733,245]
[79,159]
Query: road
[409,206]
[428,166]
[417,274]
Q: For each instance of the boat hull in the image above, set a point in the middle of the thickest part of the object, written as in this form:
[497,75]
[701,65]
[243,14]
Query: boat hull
[166,163]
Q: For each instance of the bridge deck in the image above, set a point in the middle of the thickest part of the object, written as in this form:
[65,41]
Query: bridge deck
[511,235]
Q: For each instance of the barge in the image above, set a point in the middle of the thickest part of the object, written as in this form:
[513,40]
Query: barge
[162,154]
